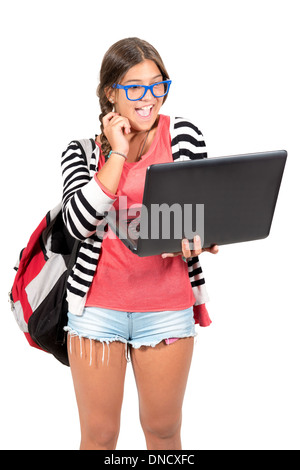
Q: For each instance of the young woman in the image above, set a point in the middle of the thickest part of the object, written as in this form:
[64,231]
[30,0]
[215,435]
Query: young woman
[122,306]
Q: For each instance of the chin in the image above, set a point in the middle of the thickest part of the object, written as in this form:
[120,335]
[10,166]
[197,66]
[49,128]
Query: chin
[140,125]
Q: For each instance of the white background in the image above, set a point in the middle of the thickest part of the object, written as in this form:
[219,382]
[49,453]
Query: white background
[235,71]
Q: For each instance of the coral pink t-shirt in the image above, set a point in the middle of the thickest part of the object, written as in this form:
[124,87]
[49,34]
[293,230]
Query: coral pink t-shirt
[123,280]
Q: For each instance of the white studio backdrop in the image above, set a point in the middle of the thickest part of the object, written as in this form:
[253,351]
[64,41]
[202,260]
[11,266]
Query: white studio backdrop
[235,72]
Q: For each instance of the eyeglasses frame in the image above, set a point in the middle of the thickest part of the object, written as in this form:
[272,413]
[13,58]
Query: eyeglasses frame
[146,88]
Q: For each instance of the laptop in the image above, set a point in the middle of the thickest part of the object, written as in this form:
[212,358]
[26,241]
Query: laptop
[225,200]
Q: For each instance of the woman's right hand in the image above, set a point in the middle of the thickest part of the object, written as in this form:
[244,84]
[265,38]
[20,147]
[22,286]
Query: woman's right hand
[115,128]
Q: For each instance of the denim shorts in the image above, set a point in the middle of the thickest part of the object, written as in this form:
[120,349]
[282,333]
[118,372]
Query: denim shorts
[131,328]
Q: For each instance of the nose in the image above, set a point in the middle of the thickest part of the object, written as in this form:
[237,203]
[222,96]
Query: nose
[148,95]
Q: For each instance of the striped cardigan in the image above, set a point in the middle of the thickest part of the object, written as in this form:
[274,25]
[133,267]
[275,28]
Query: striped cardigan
[84,205]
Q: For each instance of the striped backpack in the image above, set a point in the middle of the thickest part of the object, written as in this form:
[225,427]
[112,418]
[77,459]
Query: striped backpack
[38,293]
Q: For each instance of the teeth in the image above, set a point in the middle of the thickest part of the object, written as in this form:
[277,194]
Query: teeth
[144,112]
[147,107]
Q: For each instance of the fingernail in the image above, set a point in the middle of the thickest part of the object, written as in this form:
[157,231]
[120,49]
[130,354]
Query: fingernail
[197,238]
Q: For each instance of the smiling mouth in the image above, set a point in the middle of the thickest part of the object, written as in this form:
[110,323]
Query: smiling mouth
[145,112]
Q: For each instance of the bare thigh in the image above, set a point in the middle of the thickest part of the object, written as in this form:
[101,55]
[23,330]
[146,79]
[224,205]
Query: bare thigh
[161,375]
[98,375]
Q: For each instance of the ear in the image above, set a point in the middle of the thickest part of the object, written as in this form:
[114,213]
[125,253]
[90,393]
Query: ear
[110,94]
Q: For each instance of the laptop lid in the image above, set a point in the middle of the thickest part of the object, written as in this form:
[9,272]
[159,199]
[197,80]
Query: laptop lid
[225,200]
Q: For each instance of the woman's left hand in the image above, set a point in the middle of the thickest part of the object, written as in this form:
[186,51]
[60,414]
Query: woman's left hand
[188,253]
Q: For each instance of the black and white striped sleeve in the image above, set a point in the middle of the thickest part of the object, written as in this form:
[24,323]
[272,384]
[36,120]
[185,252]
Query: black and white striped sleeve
[84,203]
[187,140]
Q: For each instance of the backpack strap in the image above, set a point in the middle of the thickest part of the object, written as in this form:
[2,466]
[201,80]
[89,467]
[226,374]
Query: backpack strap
[87,147]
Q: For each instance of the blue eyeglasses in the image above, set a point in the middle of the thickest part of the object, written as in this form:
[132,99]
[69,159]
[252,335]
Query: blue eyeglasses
[137,92]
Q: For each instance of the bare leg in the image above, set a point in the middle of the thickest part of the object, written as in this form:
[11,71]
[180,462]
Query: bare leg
[98,376]
[161,375]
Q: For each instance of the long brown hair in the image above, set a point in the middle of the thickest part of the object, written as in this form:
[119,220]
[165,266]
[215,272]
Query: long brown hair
[119,58]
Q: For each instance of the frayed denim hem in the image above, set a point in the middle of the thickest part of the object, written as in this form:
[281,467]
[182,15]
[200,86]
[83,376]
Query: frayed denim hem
[72,334]
[136,345]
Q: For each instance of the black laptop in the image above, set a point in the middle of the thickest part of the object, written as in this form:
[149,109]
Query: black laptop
[225,200]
